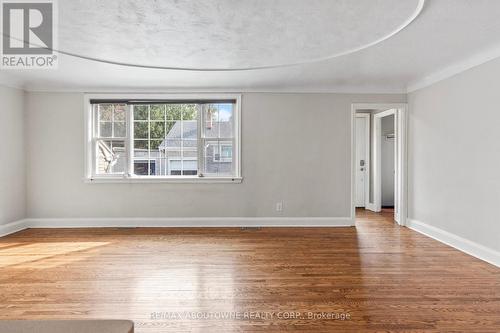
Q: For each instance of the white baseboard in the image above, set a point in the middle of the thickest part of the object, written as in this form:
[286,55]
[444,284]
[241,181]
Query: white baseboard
[474,249]
[176,222]
[12,227]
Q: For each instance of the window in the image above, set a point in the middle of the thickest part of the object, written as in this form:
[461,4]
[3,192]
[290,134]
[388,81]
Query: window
[163,137]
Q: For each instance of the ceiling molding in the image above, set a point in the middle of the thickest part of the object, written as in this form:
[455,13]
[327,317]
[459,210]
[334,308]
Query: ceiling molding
[284,90]
[10,82]
[454,69]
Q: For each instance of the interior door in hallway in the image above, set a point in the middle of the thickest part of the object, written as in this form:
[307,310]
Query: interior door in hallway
[362,150]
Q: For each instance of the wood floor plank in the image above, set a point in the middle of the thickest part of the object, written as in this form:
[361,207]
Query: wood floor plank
[381,276]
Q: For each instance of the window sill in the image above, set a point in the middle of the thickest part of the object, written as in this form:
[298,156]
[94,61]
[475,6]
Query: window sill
[178,180]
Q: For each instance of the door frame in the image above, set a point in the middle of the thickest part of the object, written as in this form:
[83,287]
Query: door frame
[377,161]
[367,117]
[401,180]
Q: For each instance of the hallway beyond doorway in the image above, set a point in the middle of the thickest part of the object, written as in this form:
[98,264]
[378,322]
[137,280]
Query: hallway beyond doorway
[365,216]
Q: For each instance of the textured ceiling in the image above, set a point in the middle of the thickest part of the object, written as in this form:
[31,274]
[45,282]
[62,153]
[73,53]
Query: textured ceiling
[227,34]
[447,32]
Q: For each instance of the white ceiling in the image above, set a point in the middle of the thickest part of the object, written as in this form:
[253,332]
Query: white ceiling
[308,45]
[227,34]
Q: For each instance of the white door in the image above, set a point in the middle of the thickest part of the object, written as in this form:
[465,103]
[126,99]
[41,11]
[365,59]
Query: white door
[362,135]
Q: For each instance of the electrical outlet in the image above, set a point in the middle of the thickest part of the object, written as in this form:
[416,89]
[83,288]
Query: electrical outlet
[279,206]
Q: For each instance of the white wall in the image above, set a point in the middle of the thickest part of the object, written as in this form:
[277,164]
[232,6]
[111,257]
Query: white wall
[295,148]
[387,161]
[454,155]
[12,153]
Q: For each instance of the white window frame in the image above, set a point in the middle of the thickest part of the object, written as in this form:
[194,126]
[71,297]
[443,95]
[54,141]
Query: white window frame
[128,177]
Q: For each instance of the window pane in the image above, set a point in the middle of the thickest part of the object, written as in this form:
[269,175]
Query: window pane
[183,167]
[218,120]
[175,166]
[141,149]
[189,129]
[163,143]
[169,125]
[218,158]
[105,129]
[119,112]
[140,112]
[190,148]
[211,117]
[152,168]
[141,130]
[157,112]
[141,167]
[141,144]
[181,156]
[120,130]
[226,152]
[154,145]
[146,167]
[189,111]
[157,129]
[111,122]
[226,120]
[111,156]
[189,145]
[105,112]
[180,146]
[174,111]
[169,145]
[160,167]
[173,129]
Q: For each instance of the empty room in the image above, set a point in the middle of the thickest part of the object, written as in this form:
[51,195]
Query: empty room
[249,166]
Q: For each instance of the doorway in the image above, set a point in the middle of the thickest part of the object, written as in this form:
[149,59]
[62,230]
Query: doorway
[378,173]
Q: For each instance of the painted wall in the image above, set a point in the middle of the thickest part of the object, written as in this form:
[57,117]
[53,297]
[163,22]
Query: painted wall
[295,148]
[12,155]
[454,155]
[387,159]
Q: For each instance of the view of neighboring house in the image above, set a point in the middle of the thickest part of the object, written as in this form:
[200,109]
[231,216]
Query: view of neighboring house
[180,149]
[177,154]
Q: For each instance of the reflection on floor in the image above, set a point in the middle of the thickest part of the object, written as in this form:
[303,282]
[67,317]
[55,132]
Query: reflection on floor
[377,276]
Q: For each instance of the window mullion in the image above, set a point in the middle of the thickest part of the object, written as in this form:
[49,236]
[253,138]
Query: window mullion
[163,156]
[149,140]
[113,121]
[95,121]
[201,141]
[95,133]
[130,145]
[182,143]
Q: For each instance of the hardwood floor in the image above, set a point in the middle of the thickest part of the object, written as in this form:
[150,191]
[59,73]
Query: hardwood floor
[379,276]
